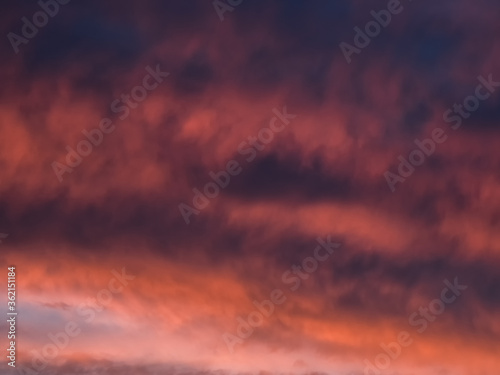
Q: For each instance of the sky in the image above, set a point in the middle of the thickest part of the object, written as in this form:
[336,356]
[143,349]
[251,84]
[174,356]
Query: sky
[251,187]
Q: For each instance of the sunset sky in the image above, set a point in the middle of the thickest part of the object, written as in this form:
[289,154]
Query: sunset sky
[250,187]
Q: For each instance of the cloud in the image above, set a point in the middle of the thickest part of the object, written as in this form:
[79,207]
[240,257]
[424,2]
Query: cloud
[323,175]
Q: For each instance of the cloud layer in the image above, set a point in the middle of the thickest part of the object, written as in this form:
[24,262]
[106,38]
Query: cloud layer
[322,175]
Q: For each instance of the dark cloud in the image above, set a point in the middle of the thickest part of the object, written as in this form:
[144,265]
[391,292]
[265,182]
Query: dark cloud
[323,175]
